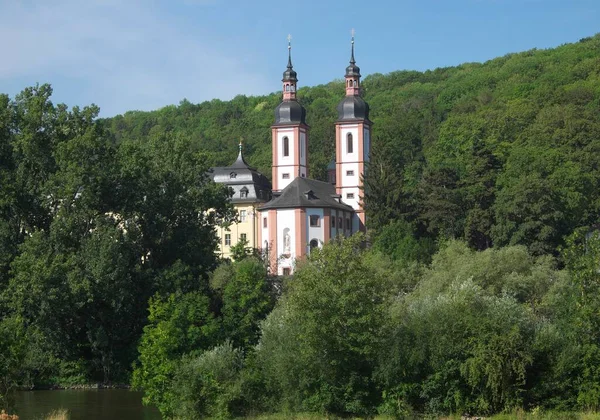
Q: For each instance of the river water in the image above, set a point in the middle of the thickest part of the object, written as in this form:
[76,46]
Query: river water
[98,404]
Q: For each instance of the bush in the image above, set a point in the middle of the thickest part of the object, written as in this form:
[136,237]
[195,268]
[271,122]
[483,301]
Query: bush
[209,385]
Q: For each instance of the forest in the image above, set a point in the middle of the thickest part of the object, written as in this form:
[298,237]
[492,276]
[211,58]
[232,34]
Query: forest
[476,289]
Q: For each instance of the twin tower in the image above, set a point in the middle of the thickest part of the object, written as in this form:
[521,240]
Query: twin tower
[352,140]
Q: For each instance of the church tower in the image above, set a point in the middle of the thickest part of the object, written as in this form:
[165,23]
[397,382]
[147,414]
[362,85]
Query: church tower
[353,143]
[289,133]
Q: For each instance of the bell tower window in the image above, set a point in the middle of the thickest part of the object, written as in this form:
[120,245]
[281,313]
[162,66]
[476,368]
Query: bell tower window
[349,143]
[286,146]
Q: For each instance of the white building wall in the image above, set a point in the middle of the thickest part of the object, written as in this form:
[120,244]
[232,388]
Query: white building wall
[264,231]
[355,223]
[318,232]
[344,130]
[286,223]
[334,230]
[303,149]
[285,163]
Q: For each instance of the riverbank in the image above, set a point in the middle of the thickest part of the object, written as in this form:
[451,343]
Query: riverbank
[55,387]
[515,415]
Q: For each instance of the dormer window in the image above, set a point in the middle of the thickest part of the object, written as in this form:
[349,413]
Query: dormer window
[232,175]
[244,193]
[310,195]
[349,143]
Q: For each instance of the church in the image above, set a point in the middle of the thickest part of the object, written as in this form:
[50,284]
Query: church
[295,214]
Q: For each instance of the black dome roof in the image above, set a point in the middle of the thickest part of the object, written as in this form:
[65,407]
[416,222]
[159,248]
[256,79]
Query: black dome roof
[353,70]
[290,75]
[290,112]
[353,108]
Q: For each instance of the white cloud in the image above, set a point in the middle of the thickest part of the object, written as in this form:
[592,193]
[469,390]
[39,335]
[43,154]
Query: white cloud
[125,54]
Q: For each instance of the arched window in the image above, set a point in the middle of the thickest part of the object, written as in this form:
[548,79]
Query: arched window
[287,88]
[349,143]
[355,83]
[286,146]
[314,244]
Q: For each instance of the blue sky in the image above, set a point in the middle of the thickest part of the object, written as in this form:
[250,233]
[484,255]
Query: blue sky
[145,54]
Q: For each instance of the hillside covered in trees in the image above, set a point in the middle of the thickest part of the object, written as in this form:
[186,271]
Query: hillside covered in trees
[504,152]
[480,292]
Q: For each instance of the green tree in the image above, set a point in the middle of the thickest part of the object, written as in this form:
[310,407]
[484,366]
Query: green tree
[177,326]
[210,385]
[319,345]
[247,299]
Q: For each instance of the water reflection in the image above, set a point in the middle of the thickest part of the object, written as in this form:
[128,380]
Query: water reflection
[100,404]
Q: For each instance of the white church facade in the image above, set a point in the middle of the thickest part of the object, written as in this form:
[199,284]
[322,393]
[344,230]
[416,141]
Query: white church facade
[303,213]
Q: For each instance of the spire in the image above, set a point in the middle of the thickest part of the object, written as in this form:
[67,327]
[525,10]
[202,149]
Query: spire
[352,60]
[240,162]
[289,38]
[352,69]
[289,75]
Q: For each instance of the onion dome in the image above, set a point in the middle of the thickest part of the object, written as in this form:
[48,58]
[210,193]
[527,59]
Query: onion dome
[290,112]
[353,108]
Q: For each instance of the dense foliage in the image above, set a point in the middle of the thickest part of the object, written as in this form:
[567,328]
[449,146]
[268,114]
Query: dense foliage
[477,289]
[500,153]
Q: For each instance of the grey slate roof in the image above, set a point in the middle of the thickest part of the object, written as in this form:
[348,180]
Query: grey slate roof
[290,112]
[303,192]
[241,177]
[353,108]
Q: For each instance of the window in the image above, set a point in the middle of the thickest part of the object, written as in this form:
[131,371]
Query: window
[244,193]
[227,239]
[350,173]
[287,88]
[349,143]
[243,237]
[301,147]
[314,244]
[232,175]
[333,222]
[264,222]
[286,271]
[243,215]
[350,196]
[315,220]
[286,146]
[355,83]
[285,176]
[340,223]
[347,223]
